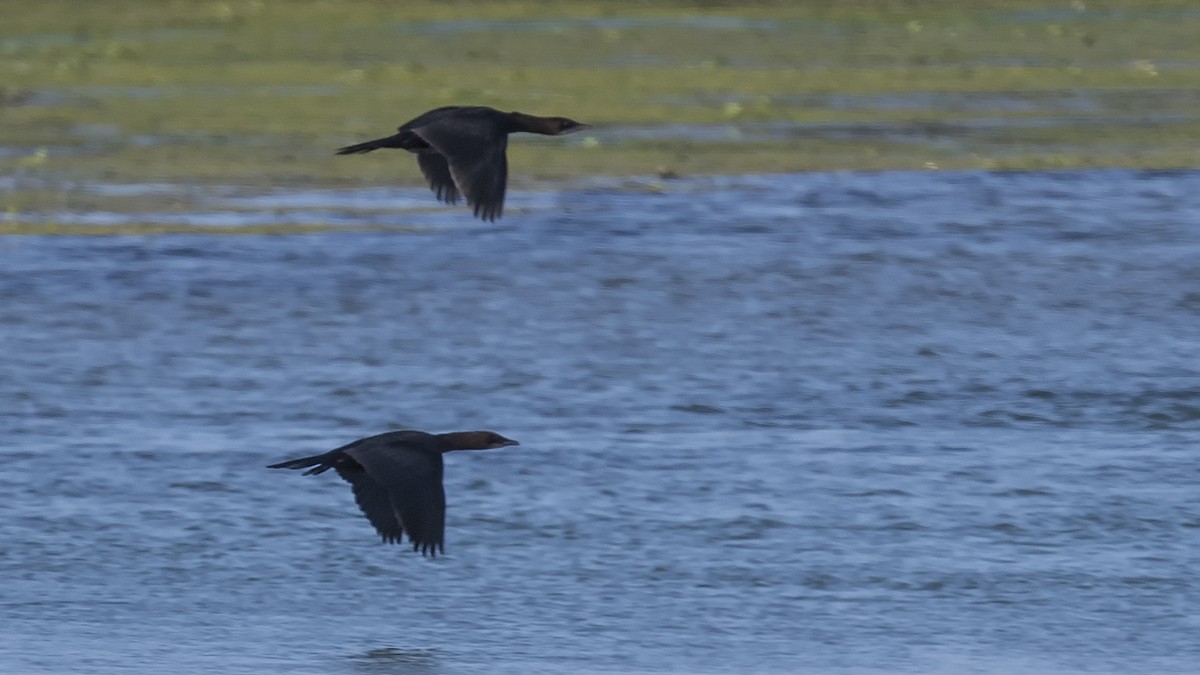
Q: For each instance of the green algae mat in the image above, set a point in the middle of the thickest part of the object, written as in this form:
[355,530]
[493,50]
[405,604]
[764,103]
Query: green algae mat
[260,92]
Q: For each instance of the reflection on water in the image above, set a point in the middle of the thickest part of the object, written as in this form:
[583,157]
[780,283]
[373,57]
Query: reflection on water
[393,661]
[889,422]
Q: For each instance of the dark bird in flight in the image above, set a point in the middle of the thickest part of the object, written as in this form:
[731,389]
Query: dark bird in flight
[397,480]
[460,150]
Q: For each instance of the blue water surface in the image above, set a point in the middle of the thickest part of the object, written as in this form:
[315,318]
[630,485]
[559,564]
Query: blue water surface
[832,423]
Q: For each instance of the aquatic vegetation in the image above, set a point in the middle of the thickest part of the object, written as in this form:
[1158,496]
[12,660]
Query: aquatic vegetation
[259,92]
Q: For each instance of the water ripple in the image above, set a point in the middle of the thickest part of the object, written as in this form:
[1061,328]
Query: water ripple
[824,422]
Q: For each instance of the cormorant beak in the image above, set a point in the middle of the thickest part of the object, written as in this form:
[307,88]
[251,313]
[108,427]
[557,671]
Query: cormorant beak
[578,127]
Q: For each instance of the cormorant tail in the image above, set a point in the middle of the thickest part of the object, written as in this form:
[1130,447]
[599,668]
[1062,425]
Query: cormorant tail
[320,463]
[368,146]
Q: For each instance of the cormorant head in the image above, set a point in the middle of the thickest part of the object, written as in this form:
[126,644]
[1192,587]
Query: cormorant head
[563,125]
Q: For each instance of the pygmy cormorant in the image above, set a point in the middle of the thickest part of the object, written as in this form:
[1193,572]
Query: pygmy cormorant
[397,480]
[460,150]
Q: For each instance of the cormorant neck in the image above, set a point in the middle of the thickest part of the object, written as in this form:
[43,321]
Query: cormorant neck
[465,440]
[533,124]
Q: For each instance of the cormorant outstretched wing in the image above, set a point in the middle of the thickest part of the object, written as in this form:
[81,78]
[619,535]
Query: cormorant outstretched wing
[411,481]
[474,150]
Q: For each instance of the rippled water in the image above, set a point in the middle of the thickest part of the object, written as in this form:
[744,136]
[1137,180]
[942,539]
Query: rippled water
[896,422]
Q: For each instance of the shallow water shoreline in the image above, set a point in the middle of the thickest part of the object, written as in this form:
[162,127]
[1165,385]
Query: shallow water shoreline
[106,209]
